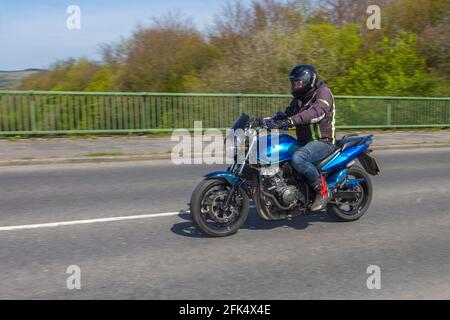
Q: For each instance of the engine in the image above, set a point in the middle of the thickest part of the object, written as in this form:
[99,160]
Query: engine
[283,184]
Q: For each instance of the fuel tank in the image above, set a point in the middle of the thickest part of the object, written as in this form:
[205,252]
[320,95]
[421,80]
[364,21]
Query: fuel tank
[276,148]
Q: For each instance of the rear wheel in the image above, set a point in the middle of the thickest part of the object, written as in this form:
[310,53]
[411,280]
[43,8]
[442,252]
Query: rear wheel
[209,213]
[352,209]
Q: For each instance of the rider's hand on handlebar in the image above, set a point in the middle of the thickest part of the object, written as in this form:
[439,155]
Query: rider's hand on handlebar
[280,116]
[255,122]
[270,123]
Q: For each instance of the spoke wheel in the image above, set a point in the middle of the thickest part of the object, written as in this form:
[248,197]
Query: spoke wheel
[209,212]
[351,210]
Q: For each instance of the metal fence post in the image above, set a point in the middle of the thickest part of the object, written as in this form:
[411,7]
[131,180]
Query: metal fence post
[238,104]
[143,113]
[32,112]
[447,116]
[389,114]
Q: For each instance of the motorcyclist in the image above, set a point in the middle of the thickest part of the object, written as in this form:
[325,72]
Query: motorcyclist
[312,112]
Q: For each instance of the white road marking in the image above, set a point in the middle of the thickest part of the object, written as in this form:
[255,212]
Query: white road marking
[88,221]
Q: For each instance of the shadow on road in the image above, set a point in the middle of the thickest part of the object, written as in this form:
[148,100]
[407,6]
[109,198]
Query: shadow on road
[254,222]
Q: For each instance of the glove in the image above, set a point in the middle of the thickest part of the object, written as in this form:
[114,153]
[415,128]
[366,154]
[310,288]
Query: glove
[268,123]
[285,124]
[280,116]
[255,122]
[278,124]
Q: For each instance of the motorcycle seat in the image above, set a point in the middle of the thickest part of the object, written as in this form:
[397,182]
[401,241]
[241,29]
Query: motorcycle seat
[331,156]
[349,141]
[341,145]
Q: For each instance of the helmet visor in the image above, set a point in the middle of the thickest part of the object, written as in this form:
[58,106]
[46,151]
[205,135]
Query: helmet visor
[304,77]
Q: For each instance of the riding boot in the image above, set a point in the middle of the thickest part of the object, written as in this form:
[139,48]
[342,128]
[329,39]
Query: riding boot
[321,189]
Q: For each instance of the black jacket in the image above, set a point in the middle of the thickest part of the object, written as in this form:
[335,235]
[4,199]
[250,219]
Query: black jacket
[314,118]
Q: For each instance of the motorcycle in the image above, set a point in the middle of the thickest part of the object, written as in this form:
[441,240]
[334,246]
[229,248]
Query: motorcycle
[219,205]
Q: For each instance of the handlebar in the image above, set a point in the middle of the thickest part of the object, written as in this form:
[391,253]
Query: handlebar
[257,122]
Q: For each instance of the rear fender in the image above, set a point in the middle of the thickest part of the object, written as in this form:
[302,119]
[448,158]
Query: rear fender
[369,164]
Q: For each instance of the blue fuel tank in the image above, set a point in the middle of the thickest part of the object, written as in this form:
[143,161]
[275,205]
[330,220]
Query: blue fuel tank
[276,148]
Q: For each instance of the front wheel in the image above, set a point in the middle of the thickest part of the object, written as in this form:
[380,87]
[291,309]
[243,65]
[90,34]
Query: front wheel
[353,209]
[209,213]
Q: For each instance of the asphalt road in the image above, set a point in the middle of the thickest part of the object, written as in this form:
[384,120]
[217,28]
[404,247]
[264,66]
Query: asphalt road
[406,232]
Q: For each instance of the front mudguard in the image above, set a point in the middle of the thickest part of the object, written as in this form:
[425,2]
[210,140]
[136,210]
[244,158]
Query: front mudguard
[231,178]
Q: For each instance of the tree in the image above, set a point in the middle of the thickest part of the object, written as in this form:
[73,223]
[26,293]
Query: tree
[167,57]
[250,48]
[393,67]
[256,46]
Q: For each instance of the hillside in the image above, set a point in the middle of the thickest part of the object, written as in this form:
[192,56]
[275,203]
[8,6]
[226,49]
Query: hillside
[10,79]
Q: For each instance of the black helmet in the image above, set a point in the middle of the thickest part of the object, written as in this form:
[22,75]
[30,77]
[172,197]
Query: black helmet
[307,75]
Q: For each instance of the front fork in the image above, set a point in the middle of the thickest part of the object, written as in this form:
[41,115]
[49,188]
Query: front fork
[240,169]
[230,195]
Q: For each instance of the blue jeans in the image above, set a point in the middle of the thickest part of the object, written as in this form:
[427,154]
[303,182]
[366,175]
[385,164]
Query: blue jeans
[305,159]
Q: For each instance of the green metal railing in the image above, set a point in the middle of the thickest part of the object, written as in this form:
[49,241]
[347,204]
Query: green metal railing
[56,112]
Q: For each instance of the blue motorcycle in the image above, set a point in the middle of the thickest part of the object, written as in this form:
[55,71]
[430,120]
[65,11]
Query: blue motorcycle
[220,203]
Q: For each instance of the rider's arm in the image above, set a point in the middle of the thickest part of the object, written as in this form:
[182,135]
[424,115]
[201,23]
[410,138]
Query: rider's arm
[292,108]
[317,111]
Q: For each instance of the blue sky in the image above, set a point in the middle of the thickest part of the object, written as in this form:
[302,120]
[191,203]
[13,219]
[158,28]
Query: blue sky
[33,33]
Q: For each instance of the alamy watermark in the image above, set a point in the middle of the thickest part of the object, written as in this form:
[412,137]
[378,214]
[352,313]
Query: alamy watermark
[374,280]
[74,280]
[373,22]
[73,22]
[213,146]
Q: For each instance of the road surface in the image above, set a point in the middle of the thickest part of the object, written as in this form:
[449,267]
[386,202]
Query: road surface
[406,233]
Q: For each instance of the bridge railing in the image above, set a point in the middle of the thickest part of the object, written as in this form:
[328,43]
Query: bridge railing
[56,112]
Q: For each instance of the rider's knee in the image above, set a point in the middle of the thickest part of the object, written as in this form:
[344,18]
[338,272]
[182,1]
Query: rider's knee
[299,161]
[300,157]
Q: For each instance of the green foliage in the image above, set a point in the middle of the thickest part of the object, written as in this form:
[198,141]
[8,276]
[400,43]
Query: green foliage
[101,80]
[250,49]
[330,48]
[393,67]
